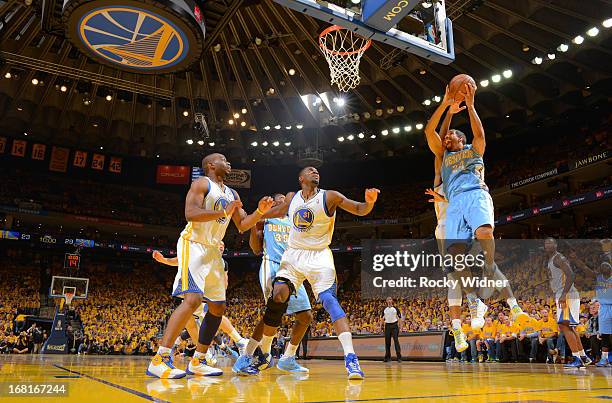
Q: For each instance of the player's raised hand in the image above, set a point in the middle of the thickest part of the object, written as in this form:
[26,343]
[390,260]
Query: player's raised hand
[456,108]
[233,206]
[265,204]
[436,197]
[470,92]
[371,195]
[158,256]
[447,100]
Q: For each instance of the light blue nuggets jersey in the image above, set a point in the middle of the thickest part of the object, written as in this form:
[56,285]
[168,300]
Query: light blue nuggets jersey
[603,285]
[275,238]
[462,171]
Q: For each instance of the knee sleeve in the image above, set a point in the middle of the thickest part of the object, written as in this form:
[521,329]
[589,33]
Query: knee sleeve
[274,312]
[209,328]
[330,303]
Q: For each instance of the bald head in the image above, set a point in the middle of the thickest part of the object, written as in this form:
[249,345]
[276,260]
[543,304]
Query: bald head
[216,163]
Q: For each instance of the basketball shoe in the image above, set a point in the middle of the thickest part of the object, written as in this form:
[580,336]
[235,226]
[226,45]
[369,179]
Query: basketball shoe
[161,366]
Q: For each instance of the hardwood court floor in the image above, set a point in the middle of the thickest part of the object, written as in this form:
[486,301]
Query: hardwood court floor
[122,379]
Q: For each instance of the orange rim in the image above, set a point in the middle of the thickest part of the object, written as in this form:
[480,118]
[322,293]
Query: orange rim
[333,52]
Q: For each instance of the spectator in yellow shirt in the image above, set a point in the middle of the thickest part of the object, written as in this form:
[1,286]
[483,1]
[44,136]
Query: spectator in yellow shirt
[548,334]
[528,336]
[472,336]
[487,340]
[507,334]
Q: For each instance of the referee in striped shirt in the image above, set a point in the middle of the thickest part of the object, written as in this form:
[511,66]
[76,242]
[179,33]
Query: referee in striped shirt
[392,316]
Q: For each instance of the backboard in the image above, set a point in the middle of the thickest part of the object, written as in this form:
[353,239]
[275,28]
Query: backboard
[60,285]
[414,26]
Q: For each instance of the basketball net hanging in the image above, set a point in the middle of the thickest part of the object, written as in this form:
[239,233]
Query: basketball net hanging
[343,50]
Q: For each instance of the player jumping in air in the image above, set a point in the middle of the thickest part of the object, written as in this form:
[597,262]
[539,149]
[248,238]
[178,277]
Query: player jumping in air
[312,212]
[192,325]
[209,206]
[469,213]
[568,302]
[270,237]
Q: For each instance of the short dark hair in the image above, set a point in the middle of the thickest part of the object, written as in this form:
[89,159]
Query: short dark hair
[460,134]
[277,194]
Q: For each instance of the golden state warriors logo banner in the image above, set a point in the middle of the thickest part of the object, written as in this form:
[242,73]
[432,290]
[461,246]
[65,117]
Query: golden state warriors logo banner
[140,36]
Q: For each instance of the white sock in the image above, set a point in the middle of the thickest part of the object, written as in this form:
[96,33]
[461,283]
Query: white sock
[251,347]
[347,342]
[472,298]
[199,355]
[512,302]
[235,336]
[266,344]
[582,353]
[604,354]
[577,355]
[164,350]
[290,351]
[456,323]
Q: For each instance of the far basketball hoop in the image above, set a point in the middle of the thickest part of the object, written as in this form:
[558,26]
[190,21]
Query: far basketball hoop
[343,50]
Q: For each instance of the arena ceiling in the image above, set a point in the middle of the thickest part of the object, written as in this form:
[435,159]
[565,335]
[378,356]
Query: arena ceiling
[260,59]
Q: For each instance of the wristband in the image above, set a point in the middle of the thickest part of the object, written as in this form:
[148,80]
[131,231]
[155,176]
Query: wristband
[258,211]
[225,213]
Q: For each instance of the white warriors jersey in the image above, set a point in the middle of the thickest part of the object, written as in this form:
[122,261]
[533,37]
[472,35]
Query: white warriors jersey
[557,277]
[311,226]
[211,233]
[440,207]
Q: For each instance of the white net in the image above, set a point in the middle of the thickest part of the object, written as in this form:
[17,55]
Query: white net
[343,50]
[68,296]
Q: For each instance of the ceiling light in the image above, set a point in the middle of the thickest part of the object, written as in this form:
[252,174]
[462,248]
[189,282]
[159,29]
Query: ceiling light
[110,98]
[389,111]
[496,78]
[257,41]
[288,127]
[276,144]
[351,137]
[254,144]
[63,88]
[419,126]
[361,135]
[291,72]
[101,148]
[185,113]
[212,144]
[366,115]
[190,141]
[236,115]
[35,81]
[25,133]
[271,90]
[340,102]
[537,60]
[400,108]
[341,139]
[277,127]
[384,132]
[217,47]
[551,56]
[231,121]
[407,128]
[427,102]
[484,83]
[563,47]
[593,31]
[373,136]
[437,98]
[526,48]
[578,40]
[507,73]
[422,72]
[426,4]
[287,144]
[242,124]
[607,23]
[355,1]
[201,142]
[8,74]
[266,127]
[265,144]
[299,126]
[157,155]
[243,110]
[395,130]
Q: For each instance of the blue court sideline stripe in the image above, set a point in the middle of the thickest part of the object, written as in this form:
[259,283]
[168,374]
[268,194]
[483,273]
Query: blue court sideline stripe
[67,376]
[114,385]
[462,395]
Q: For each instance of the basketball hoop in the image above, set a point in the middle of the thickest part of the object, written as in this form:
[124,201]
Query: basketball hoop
[343,50]
[68,297]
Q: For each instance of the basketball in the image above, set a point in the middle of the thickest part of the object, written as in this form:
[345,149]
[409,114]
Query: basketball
[456,87]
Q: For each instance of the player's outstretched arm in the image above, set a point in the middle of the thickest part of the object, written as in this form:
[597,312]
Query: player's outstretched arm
[282,209]
[256,238]
[337,199]
[479,143]
[434,141]
[195,200]
[243,221]
[170,261]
